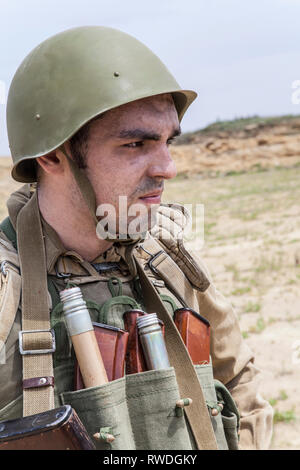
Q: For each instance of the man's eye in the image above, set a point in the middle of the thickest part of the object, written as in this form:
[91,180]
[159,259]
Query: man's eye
[134,144]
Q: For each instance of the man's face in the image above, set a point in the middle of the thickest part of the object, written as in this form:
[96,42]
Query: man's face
[128,154]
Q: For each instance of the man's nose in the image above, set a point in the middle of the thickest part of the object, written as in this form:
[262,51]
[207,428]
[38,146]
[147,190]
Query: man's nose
[162,164]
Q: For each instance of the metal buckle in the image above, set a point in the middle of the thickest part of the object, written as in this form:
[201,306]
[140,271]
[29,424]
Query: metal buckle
[153,257]
[36,351]
[153,269]
[62,275]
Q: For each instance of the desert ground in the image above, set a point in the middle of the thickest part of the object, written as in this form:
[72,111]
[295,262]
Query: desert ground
[246,174]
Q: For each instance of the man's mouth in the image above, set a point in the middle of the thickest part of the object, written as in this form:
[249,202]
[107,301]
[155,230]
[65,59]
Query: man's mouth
[152,198]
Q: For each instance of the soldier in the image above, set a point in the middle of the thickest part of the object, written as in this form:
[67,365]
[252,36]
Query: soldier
[90,115]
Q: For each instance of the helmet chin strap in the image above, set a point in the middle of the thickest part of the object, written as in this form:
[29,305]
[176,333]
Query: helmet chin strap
[83,184]
[88,193]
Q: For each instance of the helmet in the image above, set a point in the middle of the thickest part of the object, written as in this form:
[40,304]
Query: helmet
[72,77]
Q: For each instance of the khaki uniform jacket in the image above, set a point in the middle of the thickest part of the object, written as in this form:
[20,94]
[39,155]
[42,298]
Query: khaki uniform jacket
[233,361]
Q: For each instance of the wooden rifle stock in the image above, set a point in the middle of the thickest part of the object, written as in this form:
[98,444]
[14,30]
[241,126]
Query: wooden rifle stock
[58,429]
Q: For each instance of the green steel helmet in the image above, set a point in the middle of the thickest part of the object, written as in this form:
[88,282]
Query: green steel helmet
[72,77]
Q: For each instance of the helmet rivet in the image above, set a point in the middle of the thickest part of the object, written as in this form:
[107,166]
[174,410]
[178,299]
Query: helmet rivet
[116,74]
[37,117]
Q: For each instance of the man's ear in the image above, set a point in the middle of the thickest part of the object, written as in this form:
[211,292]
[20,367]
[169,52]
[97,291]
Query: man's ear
[52,163]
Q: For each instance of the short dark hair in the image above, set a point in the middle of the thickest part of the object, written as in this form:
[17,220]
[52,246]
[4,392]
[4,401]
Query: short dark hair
[79,143]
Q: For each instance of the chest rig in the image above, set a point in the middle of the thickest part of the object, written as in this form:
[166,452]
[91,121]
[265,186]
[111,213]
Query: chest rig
[151,260]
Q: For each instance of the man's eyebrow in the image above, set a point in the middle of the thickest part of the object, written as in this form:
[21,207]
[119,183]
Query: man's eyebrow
[143,134]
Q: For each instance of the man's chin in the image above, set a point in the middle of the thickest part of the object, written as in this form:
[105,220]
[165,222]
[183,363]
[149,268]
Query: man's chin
[131,227]
[139,226]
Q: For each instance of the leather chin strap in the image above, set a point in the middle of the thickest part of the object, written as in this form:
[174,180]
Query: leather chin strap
[84,185]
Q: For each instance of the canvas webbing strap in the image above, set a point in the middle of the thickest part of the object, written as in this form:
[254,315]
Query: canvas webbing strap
[168,270]
[36,338]
[188,383]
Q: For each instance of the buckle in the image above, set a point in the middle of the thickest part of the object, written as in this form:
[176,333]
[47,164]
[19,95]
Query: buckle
[151,260]
[36,351]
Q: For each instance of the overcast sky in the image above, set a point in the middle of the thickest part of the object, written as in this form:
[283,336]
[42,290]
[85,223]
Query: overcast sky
[240,56]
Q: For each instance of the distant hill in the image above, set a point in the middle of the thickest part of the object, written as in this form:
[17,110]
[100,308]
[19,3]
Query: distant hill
[244,144]
[242,127]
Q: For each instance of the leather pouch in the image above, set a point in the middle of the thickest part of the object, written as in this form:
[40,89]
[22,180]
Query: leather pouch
[195,332]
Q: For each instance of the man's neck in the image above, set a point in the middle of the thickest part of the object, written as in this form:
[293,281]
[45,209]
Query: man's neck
[73,224]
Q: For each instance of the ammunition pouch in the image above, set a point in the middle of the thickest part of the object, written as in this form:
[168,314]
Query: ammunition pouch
[140,411]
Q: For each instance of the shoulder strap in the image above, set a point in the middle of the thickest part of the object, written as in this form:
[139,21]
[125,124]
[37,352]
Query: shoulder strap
[186,375]
[38,393]
[7,228]
[161,263]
